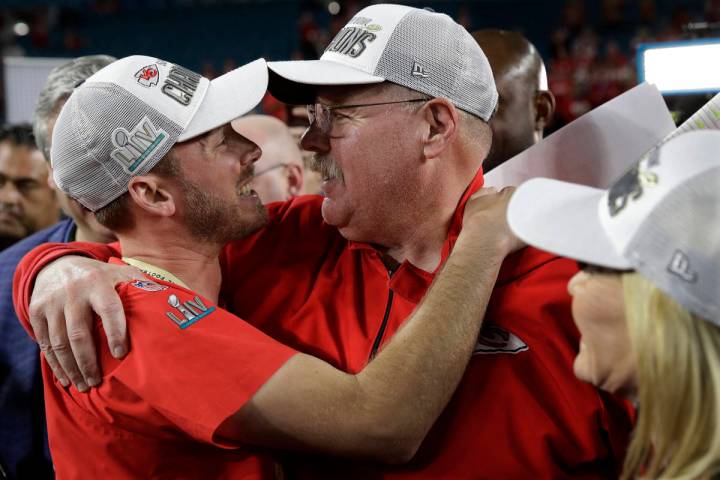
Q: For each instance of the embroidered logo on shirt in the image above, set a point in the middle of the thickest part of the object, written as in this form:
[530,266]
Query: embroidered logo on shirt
[189,311]
[148,285]
[494,340]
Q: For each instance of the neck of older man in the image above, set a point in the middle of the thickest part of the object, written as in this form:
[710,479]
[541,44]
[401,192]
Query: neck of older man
[168,245]
[422,230]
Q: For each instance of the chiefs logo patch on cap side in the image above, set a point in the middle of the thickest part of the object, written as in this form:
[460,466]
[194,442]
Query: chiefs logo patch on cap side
[148,76]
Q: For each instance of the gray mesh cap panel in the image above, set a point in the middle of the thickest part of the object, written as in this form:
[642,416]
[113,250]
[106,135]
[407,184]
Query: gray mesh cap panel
[677,247]
[102,138]
[430,53]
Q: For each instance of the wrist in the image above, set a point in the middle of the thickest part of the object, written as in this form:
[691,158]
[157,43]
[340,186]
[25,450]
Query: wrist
[485,241]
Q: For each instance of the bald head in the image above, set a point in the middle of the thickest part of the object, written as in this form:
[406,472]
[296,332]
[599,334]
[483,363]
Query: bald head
[279,172]
[525,105]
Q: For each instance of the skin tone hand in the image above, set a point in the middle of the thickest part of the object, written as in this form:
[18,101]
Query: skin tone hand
[485,216]
[66,294]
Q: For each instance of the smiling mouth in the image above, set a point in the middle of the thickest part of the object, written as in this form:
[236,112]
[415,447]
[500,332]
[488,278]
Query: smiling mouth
[246,190]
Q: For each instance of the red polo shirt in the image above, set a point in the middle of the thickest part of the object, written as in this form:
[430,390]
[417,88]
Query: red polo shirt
[156,411]
[519,411]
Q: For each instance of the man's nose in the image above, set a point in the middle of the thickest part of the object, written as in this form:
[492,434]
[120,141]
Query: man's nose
[314,140]
[9,194]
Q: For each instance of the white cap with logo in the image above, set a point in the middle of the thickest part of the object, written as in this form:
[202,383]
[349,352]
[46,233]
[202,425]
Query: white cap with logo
[419,49]
[662,219]
[123,120]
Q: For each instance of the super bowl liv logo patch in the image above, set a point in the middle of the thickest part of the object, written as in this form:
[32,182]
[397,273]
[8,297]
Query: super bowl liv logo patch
[188,312]
[133,147]
[353,40]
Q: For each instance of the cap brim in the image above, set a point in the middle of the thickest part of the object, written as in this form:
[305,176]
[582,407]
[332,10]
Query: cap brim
[296,82]
[562,218]
[228,97]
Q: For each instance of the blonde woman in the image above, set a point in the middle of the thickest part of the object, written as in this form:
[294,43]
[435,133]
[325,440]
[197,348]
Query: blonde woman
[647,298]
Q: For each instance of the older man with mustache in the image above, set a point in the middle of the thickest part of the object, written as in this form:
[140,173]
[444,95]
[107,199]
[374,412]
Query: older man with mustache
[200,387]
[399,105]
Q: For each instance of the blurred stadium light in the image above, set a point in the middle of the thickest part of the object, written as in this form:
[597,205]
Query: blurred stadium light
[681,67]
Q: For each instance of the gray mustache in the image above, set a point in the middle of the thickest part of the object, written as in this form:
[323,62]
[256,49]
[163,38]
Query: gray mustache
[326,167]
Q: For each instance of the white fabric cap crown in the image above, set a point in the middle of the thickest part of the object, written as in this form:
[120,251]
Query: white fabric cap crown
[421,50]
[662,219]
[123,120]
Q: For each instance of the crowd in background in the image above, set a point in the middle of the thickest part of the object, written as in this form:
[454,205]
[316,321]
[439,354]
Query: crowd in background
[589,47]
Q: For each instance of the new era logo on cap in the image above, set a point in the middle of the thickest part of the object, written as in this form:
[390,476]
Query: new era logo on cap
[419,71]
[680,266]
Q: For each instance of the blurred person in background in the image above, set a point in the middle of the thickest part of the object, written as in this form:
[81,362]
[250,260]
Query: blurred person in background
[297,124]
[27,203]
[646,299]
[525,105]
[279,171]
[23,433]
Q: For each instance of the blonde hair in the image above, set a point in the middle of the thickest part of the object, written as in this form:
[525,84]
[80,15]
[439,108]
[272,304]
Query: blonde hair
[677,355]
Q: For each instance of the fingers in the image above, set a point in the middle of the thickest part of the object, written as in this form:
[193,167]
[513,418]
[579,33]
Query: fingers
[66,296]
[106,303]
[126,273]
[484,191]
[79,321]
[108,306]
[60,345]
[39,326]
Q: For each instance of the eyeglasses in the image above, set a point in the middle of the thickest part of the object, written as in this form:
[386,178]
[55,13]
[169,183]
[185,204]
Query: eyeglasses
[321,115]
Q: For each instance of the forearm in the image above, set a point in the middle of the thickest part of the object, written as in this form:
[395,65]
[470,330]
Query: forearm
[409,383]
[384,411]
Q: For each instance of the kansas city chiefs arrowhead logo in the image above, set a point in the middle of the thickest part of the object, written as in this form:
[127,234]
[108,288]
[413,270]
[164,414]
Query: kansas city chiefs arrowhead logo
[494,340]
[148,76]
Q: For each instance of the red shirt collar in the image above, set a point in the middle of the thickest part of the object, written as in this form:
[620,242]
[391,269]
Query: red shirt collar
[410,281]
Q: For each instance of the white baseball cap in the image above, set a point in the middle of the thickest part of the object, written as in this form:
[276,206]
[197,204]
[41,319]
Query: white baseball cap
[662,219]
[422,50]
[123,120]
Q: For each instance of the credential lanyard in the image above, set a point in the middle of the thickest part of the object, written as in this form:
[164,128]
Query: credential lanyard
[154,271]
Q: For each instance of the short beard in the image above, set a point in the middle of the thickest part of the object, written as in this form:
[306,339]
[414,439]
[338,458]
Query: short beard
[327,167]
[210,219]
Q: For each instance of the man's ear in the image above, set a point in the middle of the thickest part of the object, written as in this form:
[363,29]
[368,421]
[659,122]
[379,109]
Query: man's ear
[544,109]
[152,195]
[295,179]
[443,121]
[50,180]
